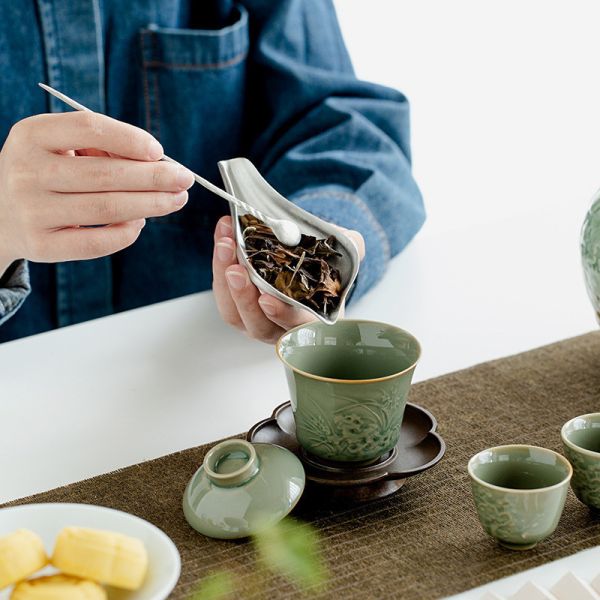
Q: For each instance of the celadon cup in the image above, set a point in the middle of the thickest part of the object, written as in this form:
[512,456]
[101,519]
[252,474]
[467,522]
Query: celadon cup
[348,384]
[519,492]
[581,443]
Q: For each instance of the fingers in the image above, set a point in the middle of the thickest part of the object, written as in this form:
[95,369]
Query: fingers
[358,240]
[224,257]
[224,228]
[103,174]
[90,152]
[236,296]
[240,303]
[74,130]
[85,243]
[245,296]
[109,207]
[283,314]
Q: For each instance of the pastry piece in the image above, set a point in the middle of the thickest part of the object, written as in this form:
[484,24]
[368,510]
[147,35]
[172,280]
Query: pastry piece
[58,587]
[22,553]
[103,556]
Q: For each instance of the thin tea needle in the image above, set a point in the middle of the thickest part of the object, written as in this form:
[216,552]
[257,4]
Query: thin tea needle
[286,231]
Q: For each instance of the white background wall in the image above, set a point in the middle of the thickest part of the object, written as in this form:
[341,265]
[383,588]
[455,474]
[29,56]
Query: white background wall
[505,99]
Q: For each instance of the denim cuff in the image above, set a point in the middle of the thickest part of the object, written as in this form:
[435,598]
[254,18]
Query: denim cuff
[345,208]
[14,288]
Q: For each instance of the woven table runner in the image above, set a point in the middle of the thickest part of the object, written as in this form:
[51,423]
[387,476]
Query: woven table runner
[423,542]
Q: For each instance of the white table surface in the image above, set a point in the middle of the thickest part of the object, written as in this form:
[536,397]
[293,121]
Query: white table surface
[113,392]
[585,565]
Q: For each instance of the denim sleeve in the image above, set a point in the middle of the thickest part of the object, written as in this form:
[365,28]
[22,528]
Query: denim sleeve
[337,146]
[14,288]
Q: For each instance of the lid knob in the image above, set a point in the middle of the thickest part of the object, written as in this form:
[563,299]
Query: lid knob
[231,463]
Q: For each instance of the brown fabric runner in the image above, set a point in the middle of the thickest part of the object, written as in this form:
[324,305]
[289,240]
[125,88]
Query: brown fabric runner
[425,541]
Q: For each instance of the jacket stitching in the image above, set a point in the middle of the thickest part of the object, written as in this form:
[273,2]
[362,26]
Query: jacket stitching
[198,66]
[156,103]
[361,204]
[146,85]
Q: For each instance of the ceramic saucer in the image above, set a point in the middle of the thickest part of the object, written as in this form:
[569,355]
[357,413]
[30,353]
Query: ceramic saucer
[419,448]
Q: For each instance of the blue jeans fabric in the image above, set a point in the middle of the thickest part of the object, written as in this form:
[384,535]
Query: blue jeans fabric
[266,79]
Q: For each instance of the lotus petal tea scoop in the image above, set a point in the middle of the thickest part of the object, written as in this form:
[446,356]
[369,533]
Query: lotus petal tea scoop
[285,230]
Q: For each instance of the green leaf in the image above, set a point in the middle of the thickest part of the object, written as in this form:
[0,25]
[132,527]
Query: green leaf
[217,586]
[291,549]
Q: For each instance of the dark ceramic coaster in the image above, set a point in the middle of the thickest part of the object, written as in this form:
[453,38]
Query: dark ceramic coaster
[419,448]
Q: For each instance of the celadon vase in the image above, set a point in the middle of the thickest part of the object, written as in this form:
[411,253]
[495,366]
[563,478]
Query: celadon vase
[590,253]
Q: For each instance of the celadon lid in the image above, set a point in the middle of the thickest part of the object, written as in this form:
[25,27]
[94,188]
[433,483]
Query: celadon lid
[241,488]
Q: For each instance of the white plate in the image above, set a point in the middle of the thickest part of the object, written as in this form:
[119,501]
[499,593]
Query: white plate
[47,520]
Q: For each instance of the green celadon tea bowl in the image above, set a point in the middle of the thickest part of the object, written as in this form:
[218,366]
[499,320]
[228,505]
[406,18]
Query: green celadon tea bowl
[349,384]
[519,492]
[581,443]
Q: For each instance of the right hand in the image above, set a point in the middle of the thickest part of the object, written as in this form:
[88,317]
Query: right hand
[62,172]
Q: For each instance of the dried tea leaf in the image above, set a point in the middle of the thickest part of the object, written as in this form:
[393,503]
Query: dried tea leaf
[302,273]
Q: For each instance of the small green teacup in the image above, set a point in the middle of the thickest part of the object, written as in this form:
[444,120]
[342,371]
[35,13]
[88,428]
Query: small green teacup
[581,442]
[519,492]
[348,385]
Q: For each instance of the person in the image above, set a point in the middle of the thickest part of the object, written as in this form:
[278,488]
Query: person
[92,222]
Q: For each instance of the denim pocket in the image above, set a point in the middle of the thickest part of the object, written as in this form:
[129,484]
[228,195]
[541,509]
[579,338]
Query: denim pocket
[193,101]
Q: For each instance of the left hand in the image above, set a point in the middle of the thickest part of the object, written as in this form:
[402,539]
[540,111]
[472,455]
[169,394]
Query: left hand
[241,304]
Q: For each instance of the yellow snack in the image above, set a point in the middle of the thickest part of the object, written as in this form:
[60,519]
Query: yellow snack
[58,587]
[22,553]
[103,556]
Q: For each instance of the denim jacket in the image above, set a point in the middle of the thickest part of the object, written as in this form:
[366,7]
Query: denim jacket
[267,79]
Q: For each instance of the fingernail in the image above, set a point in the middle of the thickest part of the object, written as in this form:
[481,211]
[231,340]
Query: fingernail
[185,178]
[267,306]
[180,199]
[236,280]
[156,150]
[224,251]
[225,230]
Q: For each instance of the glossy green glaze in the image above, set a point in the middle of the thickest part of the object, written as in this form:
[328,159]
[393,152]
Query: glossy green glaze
[590,253]
[581,442]
[348,384]
[519,493]
[241,488]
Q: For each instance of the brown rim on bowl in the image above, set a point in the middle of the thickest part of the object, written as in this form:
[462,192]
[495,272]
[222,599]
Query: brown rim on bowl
[348,381]
[564,481]
[574,446]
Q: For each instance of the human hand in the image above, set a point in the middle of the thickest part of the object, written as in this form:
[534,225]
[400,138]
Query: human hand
[241,304]
[62,172]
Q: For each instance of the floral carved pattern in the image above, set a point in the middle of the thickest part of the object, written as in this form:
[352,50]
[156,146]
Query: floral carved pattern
[519,517]
[500,518]
[358,430]
[586,477]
